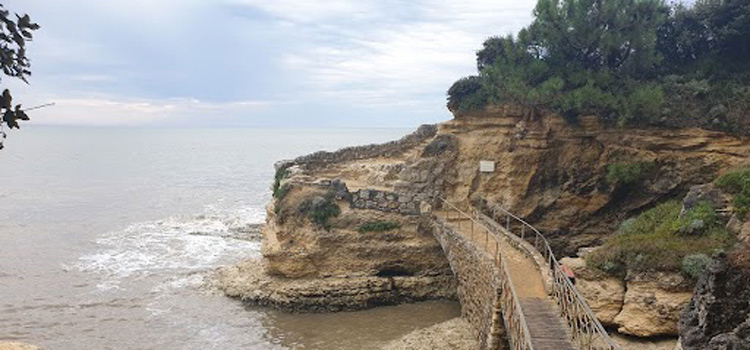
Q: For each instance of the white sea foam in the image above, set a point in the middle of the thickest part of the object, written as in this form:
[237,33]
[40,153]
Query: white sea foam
[180,245]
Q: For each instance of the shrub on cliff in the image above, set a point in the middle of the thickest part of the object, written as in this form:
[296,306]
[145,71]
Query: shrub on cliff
[627,173]
[653,241]
[737,183]
[378,226]
[693,265]
[320,209]
[281,173]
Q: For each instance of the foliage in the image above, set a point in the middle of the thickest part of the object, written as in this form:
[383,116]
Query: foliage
[15,32]
[693,265]
[631,62]
[652,242]
[737,183]
[320,209]
[697,220]
[378,226]
[281,173]
[466,95]
[627,173]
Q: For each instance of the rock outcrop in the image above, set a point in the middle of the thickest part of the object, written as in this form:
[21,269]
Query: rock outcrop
[718,316]
[652,305]
[647,305]
[249,282]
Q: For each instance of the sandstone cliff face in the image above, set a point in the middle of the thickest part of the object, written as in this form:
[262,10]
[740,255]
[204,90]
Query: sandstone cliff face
[642,306]
[309,266]
[652,305]
[548,171]
[554,174]
[718,316]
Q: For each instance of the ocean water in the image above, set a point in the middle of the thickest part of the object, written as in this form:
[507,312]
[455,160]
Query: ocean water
[107,235]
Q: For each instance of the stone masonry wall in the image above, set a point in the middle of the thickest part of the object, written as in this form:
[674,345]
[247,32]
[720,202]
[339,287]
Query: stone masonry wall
[385,201]
[478,283]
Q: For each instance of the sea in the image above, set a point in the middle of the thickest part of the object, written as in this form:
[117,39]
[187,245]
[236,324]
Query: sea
[108,237]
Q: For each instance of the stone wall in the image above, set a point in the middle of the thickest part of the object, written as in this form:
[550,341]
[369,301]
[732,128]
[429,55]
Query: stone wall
[388,149]
[478,286]
[385,201]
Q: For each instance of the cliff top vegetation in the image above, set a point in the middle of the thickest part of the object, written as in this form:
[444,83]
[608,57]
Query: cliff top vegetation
[631,62]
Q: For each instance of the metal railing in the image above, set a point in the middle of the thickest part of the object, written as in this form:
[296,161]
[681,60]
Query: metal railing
[514,320]
[586,330]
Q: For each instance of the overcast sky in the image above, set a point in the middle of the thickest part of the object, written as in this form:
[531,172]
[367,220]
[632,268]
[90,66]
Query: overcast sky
[274,63]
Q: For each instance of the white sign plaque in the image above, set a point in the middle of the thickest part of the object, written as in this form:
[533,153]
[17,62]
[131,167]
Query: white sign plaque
[486,166]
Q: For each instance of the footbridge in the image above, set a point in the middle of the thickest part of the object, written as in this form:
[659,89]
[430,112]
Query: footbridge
[511,287]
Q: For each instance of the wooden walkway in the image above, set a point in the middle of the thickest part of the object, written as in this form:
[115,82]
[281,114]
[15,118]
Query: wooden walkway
[548,331]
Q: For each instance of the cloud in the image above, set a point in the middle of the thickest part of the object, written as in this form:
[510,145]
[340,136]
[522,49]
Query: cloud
[106,60]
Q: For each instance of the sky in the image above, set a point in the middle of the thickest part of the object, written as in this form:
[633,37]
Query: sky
[254,63]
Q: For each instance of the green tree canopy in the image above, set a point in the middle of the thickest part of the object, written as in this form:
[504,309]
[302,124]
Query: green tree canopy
[628,61]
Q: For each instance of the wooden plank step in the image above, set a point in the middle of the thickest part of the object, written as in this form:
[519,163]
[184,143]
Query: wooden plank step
[547,330]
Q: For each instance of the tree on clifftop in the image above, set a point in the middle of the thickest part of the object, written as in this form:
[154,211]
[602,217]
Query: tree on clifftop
[15,32]
[630,62]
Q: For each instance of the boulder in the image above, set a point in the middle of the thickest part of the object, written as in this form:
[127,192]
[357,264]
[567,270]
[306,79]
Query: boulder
[653,304]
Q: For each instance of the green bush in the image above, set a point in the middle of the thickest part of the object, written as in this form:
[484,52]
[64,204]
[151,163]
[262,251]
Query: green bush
[652,242]
[693,265]
[737,183]
[378,226]
[320,209]
[628,173]
[698,220]
[466,95]
[277,189]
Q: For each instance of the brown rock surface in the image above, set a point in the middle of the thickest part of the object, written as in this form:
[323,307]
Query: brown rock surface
[554,174]
[17,346]
[653,304]
[247,282]
[604,294]
[455,334]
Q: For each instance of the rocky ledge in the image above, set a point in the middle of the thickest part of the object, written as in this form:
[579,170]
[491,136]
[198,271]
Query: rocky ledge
[646,305]
[248,282]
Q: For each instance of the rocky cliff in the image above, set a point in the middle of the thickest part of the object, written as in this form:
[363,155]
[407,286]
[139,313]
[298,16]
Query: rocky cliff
[718,316]
[344,232]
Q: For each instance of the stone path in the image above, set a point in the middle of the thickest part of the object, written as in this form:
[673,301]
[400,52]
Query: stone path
[548,332]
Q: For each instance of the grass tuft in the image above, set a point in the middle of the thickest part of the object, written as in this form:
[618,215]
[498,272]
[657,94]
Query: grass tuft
[378,226]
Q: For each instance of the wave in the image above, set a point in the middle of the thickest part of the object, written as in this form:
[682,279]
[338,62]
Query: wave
[177,245]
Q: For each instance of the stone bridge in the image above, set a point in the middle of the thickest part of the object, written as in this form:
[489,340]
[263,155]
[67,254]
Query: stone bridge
[512,291]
